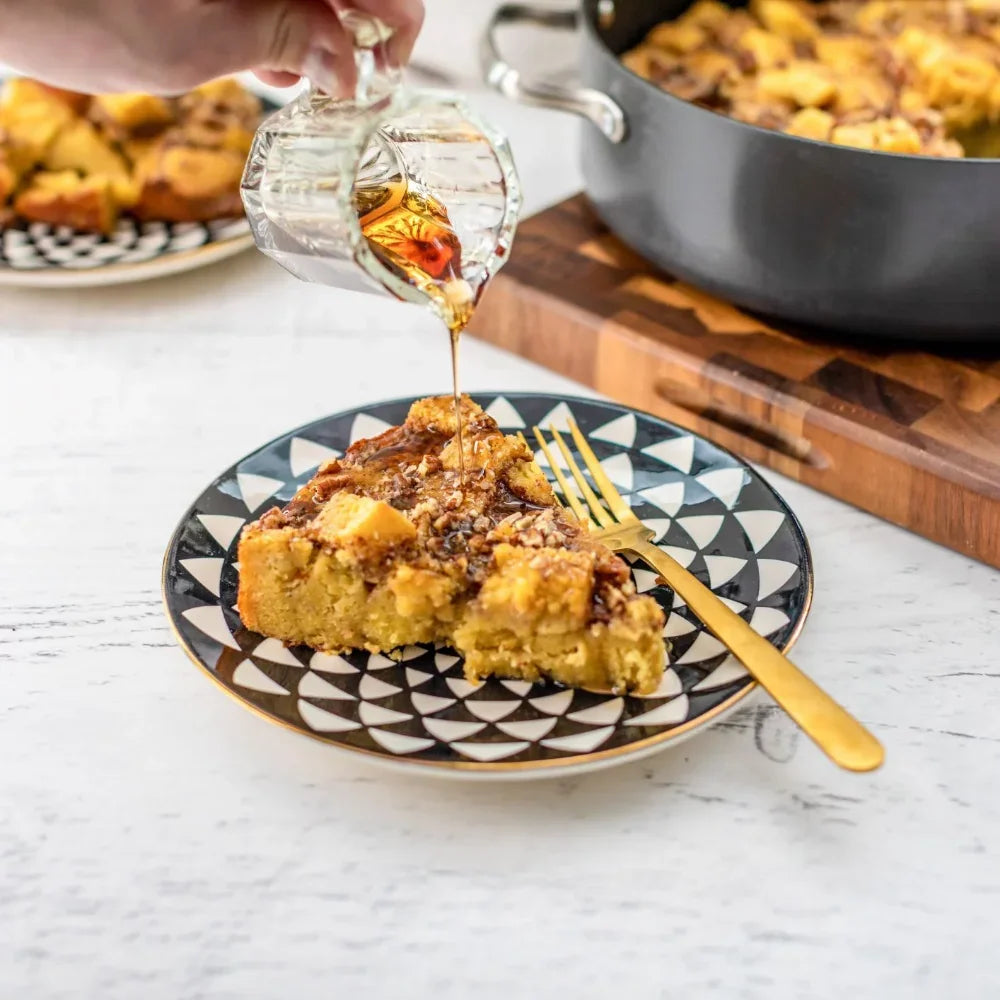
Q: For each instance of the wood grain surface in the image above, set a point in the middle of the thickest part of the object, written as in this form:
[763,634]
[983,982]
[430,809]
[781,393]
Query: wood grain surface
[911,436]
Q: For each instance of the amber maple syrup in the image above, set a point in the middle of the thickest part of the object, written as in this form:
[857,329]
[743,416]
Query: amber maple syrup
[411,233]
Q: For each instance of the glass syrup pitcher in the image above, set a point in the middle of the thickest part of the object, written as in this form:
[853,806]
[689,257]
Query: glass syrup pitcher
[396,191]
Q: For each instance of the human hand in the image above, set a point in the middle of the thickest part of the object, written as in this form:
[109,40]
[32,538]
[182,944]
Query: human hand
[170,46]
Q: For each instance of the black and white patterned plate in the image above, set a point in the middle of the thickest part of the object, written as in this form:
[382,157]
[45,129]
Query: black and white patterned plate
[41,255]
[712,512]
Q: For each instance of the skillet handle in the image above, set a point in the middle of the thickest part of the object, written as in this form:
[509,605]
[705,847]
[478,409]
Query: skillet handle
[593,105]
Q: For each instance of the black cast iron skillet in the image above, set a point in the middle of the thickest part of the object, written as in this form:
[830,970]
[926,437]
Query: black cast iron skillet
[856,241]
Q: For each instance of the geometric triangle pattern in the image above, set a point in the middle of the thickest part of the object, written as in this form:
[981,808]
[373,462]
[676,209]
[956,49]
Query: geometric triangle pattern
[620,431]
[416,677]
[256,489]
[684,556]
[315,686]
[619,471]
[708,510]
[208,572]
[726,483]
[249,675]
[668,497]
[305,455]
[760,525]
[677,452]
[222,527]
[365,425]
[274,651]
[558,418]
[721,569]
[506,415]
[702,528]
[645,579]
[727,672]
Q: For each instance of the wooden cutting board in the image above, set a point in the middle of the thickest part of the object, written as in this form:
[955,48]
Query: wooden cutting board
[911,436]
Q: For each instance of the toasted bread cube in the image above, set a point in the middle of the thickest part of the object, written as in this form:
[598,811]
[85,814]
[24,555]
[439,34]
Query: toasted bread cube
[846,54]
[31,117]
[15,162]
[913,101]
[218,133]
[811,123]
[528,481]
[640,61]
[362,525]
[897,135]
[31,137]
[64,199]
[872,17]
[222,90]
[709,14]
[862,91]
[129,114]
[78,103]
[550,589]
[23,96]
[200,173]
[677,36]
[142,154]
[80,147]
[806,83]
[889,135]
[187,184]
[768,49]
[786,18]
[712,65]
[957,77]
[916,43]
[223,96]
[859,136]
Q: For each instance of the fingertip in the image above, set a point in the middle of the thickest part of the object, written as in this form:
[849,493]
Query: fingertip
[330,73]
[405,17]
[276,78]
[348,77]
[410,29]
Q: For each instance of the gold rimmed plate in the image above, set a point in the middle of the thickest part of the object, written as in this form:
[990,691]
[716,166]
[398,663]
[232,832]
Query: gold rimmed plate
[413,708]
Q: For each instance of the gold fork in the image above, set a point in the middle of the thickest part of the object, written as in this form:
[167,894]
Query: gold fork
[837,733]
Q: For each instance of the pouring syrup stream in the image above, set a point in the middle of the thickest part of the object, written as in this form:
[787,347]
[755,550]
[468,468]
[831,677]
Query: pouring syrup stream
[410,232]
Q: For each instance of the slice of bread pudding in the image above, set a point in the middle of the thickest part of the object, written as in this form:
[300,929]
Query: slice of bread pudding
[388,546]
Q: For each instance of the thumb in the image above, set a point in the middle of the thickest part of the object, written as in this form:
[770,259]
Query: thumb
[300,37]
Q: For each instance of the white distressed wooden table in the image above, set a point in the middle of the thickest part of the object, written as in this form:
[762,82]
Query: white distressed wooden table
[157,841]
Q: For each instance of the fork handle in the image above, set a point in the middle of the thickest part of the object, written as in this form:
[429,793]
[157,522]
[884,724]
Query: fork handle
[835,731]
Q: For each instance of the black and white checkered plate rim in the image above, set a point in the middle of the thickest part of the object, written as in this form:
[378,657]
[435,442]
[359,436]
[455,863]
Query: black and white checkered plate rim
[40,253]
[709,510]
